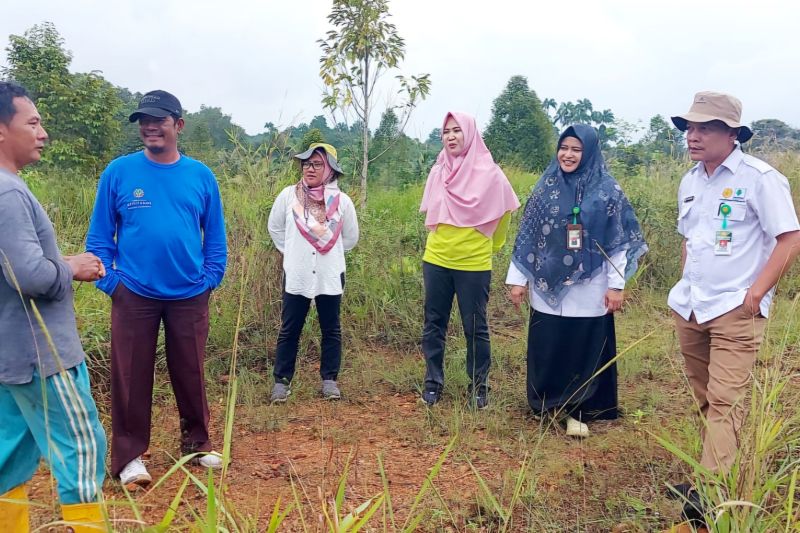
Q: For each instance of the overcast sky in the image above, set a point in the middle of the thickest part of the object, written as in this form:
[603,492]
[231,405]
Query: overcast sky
[258,60]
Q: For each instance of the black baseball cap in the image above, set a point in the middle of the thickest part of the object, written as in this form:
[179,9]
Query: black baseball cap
[159,104]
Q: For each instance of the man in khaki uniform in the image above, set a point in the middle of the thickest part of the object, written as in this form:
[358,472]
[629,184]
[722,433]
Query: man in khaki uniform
[741,234]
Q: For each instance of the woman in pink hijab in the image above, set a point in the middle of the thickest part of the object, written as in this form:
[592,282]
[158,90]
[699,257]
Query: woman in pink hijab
[467,205]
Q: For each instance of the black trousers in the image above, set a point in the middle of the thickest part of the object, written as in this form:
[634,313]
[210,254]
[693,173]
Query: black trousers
[293,316]
[472,291]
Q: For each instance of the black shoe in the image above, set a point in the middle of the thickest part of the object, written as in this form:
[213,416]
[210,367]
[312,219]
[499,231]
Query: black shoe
[694,510]
[480,398]
[430,397]
[679,491]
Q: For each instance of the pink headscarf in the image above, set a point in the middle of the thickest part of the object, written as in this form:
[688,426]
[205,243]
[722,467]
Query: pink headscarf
[468,190]
[319,224]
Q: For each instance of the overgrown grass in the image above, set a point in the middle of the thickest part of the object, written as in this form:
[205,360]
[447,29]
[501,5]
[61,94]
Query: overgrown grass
[497,470]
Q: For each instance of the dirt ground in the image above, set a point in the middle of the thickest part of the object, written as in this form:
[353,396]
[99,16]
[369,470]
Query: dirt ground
[298,452]
[572,485]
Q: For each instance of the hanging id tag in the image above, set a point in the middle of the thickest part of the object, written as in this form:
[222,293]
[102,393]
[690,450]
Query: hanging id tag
[722,242]
[574,236]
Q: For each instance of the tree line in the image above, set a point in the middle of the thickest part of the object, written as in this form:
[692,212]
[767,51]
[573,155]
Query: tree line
[86,115]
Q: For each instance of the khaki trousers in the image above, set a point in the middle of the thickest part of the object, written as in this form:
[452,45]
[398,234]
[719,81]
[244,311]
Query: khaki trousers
[719,356]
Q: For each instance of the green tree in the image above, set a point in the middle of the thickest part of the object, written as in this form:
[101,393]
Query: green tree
[79,110]
[38,60]
[198,142]
[389,127]
[361,47]
[319,122]
[218,124]
[605,121]
[340,136]
[129,140]
[663,138]
[583,112]
[519,131]
[774,133]
[549,105]
[433,143]
[310,137]
[566,114]
[391,150]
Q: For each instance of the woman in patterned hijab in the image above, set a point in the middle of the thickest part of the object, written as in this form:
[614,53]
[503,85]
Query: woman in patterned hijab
[578,243]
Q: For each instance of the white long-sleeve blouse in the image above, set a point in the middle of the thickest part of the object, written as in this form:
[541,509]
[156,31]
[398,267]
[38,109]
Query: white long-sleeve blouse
[308,272]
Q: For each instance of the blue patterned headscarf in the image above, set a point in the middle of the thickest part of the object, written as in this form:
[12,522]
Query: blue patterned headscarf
[540,251]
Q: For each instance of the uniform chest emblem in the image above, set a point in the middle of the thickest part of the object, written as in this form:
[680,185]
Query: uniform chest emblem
[139,201]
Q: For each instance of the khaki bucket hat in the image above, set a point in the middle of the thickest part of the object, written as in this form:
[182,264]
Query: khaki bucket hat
[708,106]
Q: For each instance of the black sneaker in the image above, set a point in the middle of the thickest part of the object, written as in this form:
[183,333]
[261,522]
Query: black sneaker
[694,510]
[678,491]
[481,398]
[430,397]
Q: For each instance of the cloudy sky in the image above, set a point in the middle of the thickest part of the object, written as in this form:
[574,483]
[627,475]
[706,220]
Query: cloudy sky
[258,60]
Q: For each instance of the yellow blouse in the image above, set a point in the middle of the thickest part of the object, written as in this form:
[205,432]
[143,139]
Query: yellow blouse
[464,248]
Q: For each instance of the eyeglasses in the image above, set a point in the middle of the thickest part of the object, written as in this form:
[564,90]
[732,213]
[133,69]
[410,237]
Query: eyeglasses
[316,165]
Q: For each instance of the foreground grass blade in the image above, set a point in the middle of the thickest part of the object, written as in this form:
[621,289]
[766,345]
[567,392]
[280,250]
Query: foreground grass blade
[277,517]
[360,516]
[413,519]
[169,516]
[496,507]
[387,509]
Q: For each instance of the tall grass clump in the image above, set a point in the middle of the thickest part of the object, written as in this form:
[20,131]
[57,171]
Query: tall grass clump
[760,493]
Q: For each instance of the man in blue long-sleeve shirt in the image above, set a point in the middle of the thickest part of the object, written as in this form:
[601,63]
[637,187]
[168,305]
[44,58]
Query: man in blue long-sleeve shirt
[158,227]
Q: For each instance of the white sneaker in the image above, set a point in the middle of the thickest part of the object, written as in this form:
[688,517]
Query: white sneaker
[135,475]
[210,460]
[576,428]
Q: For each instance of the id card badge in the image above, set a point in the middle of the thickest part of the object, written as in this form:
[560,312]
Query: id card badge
[574,236]
[722,242]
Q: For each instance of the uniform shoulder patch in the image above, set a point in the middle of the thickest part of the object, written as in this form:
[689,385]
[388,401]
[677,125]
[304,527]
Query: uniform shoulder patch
[762,166]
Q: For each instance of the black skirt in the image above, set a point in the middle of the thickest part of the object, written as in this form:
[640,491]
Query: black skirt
[563,355]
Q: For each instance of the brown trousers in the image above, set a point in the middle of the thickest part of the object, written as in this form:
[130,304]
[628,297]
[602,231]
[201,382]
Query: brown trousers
[135,321]
[719,356]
